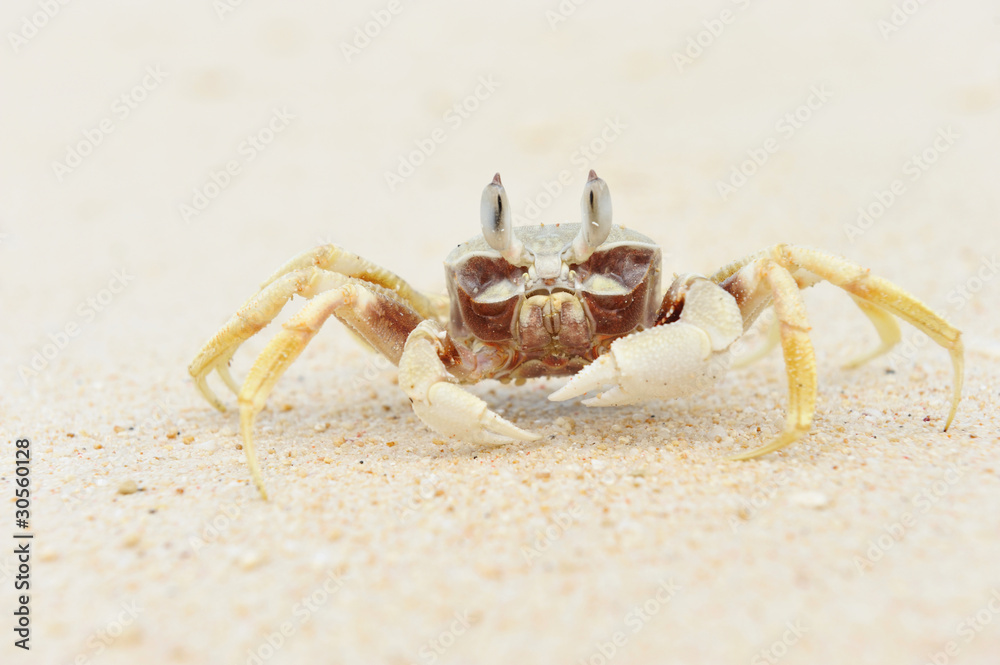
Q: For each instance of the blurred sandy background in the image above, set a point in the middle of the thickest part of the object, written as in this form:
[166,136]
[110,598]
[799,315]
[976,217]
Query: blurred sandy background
[622,536]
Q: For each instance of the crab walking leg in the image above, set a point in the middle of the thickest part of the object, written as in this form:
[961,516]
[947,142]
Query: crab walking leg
[336,259]
[382,319]
[800,362]
[256,313]
[772,337]
[804,280]
[738,279]
[275,359]
[883,293]
[886,327]
[442,405]
[670,359]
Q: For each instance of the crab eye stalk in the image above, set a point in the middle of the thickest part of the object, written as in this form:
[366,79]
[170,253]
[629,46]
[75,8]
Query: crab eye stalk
[595,207]
[496,221]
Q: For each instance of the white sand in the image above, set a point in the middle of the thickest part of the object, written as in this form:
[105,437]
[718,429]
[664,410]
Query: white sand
[421,531]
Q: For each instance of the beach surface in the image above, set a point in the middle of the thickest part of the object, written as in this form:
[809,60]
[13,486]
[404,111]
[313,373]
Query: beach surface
[160,160]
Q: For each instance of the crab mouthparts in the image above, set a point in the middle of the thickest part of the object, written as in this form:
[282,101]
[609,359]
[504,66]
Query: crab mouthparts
[547,291]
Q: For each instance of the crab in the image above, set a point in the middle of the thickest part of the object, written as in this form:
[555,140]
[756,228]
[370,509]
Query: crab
[579,300]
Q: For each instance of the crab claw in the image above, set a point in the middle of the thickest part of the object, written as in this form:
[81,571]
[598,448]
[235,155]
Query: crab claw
[452,411]
[662,362]
[439,403]
[668,360]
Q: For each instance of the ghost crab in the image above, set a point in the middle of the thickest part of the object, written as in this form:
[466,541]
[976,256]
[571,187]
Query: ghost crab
[572,299]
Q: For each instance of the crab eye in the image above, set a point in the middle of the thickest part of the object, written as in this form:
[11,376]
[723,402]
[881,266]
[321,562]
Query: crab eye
[496,221]
[495,216]
[596,208]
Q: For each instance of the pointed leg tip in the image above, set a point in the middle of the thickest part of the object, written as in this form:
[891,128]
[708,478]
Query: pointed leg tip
[785,439]
[750,454]
[227,378]
[213,399]
[865,358]
[201,383]
[247,416]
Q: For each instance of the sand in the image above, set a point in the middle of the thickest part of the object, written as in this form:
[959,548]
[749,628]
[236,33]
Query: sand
[622,535]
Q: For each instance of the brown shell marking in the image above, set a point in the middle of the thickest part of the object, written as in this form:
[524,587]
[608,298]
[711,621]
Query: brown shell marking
[636,271]
[487,315]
